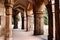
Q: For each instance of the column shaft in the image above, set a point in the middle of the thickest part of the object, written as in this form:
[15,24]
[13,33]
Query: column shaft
[57,20]
[26,21]
[8,25]
[38,17]
[16,22]
[38,27]
[22,22]
[50,21]
[22,16]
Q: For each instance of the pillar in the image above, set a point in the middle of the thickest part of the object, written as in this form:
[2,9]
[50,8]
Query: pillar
[0,20]
[22,16]
[8,24]
[57,20]
[15,18]
[50,21]
[29,22]
[38,17]
[26,20]
[15,21]
[25,24]
[8,19]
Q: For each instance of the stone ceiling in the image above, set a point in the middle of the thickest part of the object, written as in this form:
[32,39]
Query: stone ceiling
[23,4]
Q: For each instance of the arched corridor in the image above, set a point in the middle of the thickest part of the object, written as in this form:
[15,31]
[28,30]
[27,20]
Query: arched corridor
[29,20]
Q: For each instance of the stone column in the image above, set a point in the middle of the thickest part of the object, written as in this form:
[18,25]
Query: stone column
[29,23]
[57,20]
[38,28]
[38,17]
[22,16]
[16,21]
[50,21]
[8,24]
[26,21]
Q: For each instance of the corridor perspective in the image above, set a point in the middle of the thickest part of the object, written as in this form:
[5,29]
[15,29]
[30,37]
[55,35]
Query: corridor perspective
[29,19]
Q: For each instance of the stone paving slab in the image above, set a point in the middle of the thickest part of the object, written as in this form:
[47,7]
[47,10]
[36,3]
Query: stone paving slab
[22,35]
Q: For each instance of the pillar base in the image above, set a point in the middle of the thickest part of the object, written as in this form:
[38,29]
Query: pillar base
[50,37]
[38,33]
[15,28]
[22,28]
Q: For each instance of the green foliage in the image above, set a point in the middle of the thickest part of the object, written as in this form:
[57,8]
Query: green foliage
[18,18]
[12,20]
[45,17]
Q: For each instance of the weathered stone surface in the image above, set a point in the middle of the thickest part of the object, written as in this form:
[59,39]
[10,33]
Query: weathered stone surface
[50,21]
[38,8]
[57,20]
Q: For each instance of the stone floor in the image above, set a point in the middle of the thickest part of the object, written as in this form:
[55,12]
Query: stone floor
[23,35]
[19,34]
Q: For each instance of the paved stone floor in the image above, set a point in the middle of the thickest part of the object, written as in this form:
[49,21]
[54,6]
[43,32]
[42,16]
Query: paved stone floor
[18,34]
[23,35]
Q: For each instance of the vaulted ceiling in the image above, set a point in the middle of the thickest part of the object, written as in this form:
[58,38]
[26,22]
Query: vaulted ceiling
[22,4]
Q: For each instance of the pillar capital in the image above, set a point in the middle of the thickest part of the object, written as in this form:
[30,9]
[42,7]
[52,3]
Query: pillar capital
[8,11]
[39,12]
[22,14]
[8,14]
[8,3]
